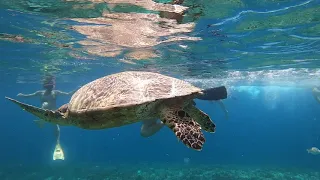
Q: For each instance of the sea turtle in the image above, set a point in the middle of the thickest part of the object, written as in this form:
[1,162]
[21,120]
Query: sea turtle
[132,96]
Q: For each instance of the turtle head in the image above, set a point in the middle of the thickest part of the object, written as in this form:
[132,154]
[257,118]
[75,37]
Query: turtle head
[56,117]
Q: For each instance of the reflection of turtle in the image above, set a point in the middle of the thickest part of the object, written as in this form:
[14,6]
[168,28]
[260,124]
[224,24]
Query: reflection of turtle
[128,97]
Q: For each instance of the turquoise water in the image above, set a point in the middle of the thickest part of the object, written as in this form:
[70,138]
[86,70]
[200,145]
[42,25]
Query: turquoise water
[266,53]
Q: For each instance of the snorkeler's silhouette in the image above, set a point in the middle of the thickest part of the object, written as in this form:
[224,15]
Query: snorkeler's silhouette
[48,98]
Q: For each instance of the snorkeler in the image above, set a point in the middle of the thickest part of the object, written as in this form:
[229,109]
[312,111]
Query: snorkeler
[48,98]
[316,93]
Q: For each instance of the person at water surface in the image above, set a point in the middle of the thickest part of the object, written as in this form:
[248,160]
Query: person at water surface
[316,93]
[48,98]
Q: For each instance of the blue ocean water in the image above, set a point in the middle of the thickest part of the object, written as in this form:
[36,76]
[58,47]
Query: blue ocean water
[266,53]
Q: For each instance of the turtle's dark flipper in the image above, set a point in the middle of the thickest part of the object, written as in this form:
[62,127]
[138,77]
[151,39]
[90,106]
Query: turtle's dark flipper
[214,94]
[201,117]
[184,127]
[46,115]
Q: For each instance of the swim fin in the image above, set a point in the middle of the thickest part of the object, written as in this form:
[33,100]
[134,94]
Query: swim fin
[214,94]
[58,152]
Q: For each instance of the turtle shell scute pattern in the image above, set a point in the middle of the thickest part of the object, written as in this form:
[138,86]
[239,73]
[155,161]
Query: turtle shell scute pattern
[129,88]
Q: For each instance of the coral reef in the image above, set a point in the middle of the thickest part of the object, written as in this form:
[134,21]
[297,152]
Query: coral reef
[155,172]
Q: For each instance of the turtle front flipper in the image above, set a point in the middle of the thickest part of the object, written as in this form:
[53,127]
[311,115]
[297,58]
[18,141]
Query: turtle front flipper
[184,127]
[46,115]
[202,118]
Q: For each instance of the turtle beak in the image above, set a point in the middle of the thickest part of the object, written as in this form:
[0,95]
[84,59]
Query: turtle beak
[47,115]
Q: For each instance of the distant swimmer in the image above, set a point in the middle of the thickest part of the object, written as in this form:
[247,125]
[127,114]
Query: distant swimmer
[48,98]
[313,151]
[316,93]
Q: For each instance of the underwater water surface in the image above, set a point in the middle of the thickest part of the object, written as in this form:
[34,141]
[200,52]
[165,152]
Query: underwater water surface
[266,53]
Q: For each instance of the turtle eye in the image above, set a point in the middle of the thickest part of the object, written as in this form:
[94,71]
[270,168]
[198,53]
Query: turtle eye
[46,114]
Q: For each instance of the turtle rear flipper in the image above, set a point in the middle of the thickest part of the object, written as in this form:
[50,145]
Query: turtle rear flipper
[44,114]
[184,127]
[202,118]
